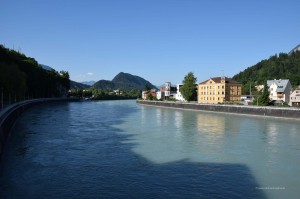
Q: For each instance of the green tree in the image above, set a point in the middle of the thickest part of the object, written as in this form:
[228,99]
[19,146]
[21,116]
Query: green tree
[147,88]
[188,89]
[264,99]
[150,96]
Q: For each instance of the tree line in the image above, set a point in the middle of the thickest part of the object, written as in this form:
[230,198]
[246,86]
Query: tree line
[94,93]
[22,77]
[281,66]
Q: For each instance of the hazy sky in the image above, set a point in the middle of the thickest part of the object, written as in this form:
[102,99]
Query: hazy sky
[159,40]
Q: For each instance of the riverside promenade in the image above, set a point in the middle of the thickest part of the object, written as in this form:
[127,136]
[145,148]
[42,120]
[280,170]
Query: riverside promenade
[268,111]
[10,114]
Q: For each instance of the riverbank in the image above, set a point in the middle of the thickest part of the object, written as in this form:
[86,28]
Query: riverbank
[10,114]
[283,112]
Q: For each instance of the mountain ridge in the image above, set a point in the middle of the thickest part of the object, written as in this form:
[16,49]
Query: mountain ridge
[297,48]
[125,81]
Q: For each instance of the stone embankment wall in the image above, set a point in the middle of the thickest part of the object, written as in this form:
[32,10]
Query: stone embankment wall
[288,112]
[9,115]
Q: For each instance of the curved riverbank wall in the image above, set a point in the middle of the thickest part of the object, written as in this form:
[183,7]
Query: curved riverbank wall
[9,115]
[288,112]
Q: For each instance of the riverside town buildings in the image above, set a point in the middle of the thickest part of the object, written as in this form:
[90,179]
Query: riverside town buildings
[280,90]
[295,97]
[219,90]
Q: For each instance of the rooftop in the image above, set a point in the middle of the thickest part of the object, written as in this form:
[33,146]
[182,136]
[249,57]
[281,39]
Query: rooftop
[218,80]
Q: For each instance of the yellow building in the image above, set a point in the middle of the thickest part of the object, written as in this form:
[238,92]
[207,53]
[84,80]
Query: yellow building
[219,90]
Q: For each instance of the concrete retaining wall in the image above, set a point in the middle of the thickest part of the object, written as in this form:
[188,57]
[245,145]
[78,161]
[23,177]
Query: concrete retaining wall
[9,115]
[288,112]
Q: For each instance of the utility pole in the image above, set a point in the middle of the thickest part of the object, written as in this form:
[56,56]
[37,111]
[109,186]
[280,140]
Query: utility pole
[250,90]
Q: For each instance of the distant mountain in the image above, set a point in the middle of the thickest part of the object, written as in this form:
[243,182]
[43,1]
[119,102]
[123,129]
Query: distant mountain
[297,48]
[46,67]
[77,85]
[90,83]
[124,81]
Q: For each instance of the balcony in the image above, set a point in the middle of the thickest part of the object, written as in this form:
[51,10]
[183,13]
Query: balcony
[280,95]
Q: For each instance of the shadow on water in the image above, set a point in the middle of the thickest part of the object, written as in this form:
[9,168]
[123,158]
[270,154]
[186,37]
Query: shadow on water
[103,166]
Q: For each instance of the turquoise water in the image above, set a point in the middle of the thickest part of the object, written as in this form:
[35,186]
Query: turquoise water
[120,149]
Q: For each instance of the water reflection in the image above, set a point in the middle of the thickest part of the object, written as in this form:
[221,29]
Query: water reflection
[265,145]
[154,153]
[272,133]
[178,119]
[215,126]
[210,123]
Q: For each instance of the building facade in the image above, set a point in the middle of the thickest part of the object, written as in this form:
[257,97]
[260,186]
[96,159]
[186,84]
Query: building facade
[295,97]
[145,94]
[219,90]
[160,95]
[280,90]
[178,95]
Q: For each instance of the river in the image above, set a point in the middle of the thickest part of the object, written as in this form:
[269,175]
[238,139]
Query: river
[120,149]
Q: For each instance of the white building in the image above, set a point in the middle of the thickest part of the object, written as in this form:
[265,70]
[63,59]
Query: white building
[144,95]
[295,97]
[167,89]
[160,95]
[280,90]
[178,95]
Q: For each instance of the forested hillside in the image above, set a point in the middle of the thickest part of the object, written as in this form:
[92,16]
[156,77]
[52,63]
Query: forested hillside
[282,66]
[124,81]
[22,77]
[77,85]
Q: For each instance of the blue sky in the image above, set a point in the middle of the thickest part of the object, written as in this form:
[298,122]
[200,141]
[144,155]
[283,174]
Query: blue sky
[159,40]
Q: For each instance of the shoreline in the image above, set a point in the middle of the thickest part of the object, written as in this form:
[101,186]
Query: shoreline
[271,112]
[10,114]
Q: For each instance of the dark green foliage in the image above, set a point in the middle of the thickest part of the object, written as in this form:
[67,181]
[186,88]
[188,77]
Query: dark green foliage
[77,85]
[102,94]
[22,77]
[147,88]
[124,81]
[188,89]
[104,84]
[264,99]
[150,96]
[282,66]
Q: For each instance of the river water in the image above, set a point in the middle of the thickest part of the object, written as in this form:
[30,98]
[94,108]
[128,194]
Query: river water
[120,149]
